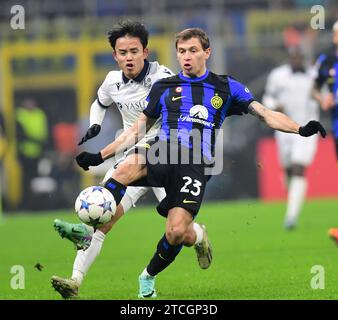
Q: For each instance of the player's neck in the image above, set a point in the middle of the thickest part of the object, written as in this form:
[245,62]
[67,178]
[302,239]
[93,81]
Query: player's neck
[196,75]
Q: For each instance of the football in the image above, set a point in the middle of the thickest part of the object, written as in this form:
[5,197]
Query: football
[95,206]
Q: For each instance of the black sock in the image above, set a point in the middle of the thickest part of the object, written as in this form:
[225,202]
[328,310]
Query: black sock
[117,189]
[163,257]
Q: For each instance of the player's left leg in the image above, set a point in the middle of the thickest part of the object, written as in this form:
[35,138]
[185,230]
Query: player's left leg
[168,248]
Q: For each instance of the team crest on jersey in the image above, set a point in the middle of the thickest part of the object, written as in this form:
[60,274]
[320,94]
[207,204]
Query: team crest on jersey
[118,85]
[216,101]
[147,83]
[332,72]
[178,89]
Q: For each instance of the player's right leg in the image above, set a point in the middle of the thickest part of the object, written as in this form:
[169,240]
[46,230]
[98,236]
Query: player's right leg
[84,259]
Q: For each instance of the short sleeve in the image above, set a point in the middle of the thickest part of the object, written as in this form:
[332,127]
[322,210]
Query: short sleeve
[321,75]
[103,96]
[153,109]
[241,97]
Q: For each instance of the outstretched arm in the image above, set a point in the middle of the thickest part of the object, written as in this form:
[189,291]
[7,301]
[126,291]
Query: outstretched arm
[129,137]
[279,121]
[126,140]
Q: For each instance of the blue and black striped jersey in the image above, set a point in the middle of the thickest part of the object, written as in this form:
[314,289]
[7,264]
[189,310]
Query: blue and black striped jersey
[196,103]
[328,71]
[328,74]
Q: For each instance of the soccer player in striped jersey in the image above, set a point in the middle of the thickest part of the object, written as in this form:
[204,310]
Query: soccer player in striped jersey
[328,75]
[194,101]
[127,90]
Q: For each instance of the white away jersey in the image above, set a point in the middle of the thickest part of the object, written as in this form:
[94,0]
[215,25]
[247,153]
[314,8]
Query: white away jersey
[292,91]
[129,96]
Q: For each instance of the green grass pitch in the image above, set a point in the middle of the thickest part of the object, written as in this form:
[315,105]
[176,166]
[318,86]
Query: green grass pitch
[254,257]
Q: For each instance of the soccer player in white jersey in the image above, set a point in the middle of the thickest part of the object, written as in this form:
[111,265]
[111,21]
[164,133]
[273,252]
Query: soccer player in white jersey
[288,90]
[127,89]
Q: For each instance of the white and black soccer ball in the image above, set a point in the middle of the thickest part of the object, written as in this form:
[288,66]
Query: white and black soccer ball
[95,206]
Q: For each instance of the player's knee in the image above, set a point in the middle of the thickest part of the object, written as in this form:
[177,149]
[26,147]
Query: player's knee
[175,234]
[124,173]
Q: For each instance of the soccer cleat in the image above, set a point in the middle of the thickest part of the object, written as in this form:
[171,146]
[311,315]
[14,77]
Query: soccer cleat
[333,233]
[68,288]
[289,225]
[147,287]
[204,250]
[76,233]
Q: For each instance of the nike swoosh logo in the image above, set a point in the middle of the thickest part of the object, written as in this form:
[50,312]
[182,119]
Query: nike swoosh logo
[161,257]
[177,98]
[75,231]
[189,201]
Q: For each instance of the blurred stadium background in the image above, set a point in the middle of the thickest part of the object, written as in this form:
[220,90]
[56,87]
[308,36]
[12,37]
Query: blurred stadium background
[62,56]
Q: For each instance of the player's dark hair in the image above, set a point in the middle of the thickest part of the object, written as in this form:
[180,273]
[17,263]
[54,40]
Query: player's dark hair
[198,33]
[131,28]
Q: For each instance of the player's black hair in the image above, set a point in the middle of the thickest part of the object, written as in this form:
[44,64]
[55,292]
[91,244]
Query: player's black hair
[131,28]
[198,33]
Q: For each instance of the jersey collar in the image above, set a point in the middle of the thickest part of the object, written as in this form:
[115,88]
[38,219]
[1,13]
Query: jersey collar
[193,79]
[141,75]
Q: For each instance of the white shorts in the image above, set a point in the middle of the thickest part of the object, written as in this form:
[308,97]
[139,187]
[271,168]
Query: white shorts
[133,193]
[295,149]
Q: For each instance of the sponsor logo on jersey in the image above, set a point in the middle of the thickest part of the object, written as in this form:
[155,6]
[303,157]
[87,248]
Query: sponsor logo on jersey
[199,111]
[139,105]
[198,114]
[216,101]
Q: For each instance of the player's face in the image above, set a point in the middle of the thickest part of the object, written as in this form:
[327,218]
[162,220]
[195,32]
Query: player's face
[192,57]
[129,55]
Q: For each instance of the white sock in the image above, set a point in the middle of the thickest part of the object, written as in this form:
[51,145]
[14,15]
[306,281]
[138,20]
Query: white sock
[199,232]
[145,273]
[84,259]
[77,274]
[296,195]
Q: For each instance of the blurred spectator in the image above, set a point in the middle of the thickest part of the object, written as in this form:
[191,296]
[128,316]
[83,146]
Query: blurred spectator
[65,136]
[301,35]
[32,135]
[288,90]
